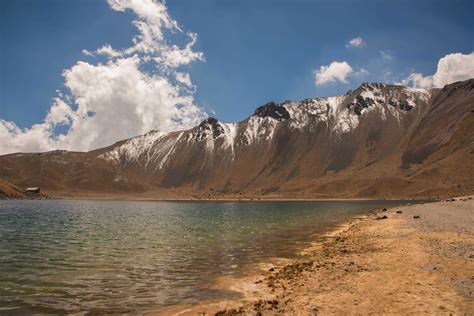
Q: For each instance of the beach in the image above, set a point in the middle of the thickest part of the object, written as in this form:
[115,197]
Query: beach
[415,259]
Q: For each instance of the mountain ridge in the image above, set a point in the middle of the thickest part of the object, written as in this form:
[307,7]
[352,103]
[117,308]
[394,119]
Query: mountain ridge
[343,146]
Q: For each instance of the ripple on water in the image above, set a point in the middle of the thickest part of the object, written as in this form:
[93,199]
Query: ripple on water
[117,256]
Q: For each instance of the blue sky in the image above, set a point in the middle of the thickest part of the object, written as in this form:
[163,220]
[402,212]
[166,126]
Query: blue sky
[255,51]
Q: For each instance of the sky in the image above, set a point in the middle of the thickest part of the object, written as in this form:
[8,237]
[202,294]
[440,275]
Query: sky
[82,74]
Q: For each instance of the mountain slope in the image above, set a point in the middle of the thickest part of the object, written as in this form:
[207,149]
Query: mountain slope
[376,141]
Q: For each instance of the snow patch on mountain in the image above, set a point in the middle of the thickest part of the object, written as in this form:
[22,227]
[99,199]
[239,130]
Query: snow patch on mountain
[329,110]
[230,133]
[211,131]
[169,147]
[154,147]
[396,101]
[342,113]
[133,148]
[259,128]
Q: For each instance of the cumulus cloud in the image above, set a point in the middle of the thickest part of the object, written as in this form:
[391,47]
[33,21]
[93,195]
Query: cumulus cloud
[356,42]
[335,71]
[451,68]
[125,92]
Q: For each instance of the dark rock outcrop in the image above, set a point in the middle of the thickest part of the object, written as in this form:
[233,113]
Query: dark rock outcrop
[208,125]
[273,110]
[362,103]
[405,106]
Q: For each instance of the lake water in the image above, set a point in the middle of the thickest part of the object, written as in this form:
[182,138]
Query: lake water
[119,256]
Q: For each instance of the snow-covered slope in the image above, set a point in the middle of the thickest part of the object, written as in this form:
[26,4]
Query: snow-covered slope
[341,114]
[377,131]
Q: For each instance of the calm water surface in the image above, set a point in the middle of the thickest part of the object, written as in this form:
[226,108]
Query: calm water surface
[117,256]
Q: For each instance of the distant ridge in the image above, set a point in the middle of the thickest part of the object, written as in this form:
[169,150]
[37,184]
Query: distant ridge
[377,141]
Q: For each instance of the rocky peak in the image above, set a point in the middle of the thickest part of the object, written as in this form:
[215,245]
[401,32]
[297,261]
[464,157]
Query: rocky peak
[209,126]
[210,121]
[361,103]
[379,94]
[372,86]
[273,110]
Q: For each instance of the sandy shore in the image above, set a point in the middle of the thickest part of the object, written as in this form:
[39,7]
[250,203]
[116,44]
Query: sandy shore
[373,265]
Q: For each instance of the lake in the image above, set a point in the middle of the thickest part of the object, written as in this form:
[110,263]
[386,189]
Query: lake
[60,256]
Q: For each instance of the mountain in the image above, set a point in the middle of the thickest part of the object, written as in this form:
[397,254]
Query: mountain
[378,141]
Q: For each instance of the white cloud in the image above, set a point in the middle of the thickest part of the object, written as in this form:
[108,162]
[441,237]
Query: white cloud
[175,56]
[356,42]
[335,71]
[451,68]
[117,99]
[87,53]
[12,138]
[107,50]
[184,78]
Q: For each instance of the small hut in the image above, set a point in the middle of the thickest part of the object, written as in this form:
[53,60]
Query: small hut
[33,190]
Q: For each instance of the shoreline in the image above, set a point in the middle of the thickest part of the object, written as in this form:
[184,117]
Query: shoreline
[244,284]
[204,200]
[369,264]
